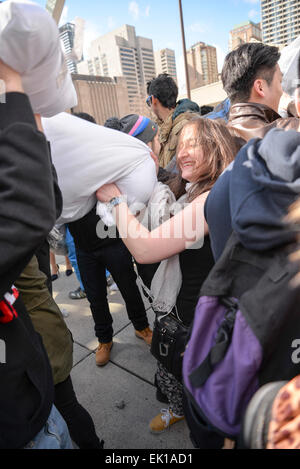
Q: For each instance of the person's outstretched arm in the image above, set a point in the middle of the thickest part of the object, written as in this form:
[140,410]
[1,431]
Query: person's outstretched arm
[173,236]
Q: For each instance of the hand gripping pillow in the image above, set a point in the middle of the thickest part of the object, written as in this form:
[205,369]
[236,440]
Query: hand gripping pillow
[30,44]
[86,156]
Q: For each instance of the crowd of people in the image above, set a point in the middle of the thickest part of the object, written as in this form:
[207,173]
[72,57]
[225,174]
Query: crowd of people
[220,183]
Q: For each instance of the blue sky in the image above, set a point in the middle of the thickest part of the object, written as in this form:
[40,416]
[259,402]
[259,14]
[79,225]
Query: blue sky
[205,20]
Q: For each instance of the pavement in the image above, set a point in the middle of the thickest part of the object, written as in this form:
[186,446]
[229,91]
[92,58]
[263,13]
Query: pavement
[120,396]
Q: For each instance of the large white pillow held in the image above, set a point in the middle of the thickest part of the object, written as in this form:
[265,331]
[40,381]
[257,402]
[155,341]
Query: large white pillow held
[30,44]
[87,155]
[289,64]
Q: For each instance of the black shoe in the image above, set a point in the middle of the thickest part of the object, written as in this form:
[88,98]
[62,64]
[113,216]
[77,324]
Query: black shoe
[77,294]
[55,276]
[69,272]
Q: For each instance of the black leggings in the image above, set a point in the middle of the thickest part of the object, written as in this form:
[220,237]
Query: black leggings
[78,420]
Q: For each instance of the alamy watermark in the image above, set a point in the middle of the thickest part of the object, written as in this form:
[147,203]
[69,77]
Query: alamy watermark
[296,353]
[2,351]
[188,227]
[2,92]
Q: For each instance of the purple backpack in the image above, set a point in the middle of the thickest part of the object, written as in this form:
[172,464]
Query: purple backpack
[244,326]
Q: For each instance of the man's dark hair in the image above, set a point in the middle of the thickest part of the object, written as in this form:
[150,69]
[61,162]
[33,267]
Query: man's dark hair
[85,116]
[244,65]
[164,89]
[205,110]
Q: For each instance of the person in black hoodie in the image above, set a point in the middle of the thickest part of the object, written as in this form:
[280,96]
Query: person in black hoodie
[27,214]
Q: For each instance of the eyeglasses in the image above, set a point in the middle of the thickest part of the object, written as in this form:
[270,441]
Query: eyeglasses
[149,101]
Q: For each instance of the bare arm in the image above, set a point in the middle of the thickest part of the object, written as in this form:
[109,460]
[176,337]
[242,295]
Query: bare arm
[173,236]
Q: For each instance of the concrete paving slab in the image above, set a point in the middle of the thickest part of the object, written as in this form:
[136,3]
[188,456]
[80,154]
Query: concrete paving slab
[104,391]
[80,320]
[79,353]
[127,378]
[133,354]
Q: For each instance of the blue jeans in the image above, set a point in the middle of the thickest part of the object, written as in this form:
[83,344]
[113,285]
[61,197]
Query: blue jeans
[72,256]
[118,260]
[53,435]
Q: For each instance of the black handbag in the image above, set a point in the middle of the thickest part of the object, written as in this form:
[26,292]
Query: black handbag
[169,340]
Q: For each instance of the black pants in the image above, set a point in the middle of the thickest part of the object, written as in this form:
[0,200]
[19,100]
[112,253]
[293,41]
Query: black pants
[43,257]
[78,420]
[117,259]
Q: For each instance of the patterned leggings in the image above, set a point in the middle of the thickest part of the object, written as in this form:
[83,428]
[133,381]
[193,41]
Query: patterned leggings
[172,388]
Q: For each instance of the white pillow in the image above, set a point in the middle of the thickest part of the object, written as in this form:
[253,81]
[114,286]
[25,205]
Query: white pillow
[87,156]
[289,64]
[30,44]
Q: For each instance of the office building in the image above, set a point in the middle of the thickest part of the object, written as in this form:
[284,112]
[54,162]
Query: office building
[67,35]
[165,62]
[202,65]
[280,21]
[122,53]
[244,32]
[101,97]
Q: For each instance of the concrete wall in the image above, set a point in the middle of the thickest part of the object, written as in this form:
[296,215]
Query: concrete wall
[210,95]
[102,97]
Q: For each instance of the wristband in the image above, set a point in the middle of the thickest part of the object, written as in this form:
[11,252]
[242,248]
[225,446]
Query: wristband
[116,201]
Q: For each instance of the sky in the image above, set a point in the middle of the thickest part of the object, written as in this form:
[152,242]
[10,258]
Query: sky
[208,21]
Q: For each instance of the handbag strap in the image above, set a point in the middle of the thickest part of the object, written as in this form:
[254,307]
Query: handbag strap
[159,314]
[216,354]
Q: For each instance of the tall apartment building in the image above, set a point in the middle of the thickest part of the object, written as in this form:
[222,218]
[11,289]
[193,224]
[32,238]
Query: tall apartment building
[244,32]
[55,8]
[202,65]
[165,62]
[280,21]
[67,34]
[122,53]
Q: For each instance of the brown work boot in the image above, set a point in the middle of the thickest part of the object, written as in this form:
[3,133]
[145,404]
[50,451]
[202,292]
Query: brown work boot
[103,353]
[145,334]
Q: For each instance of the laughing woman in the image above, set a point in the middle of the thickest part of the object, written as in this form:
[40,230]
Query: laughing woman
[204,150]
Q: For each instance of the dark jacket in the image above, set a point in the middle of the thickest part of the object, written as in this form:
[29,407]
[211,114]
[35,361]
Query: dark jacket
[27,214]
[263,187]
[253,120]
[27,191]
[253,195]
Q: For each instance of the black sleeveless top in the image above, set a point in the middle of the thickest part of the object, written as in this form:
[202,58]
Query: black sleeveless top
[195,265]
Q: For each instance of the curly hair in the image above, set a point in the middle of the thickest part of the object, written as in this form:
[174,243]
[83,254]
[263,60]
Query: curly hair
[219,148]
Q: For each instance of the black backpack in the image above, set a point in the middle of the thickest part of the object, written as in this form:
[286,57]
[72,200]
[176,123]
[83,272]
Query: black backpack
[245,324]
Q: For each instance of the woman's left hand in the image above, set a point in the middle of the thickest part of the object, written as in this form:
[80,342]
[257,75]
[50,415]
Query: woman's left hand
[107,192]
